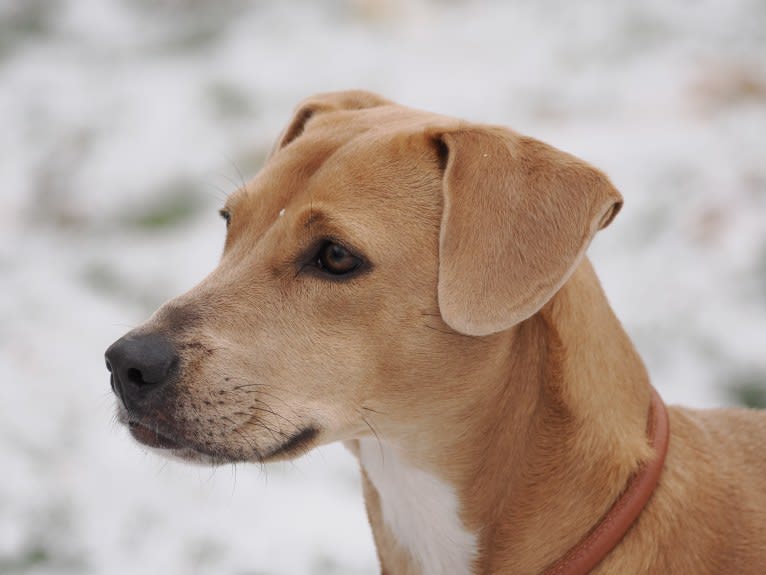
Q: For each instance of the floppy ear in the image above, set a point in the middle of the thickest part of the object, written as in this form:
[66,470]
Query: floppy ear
[330,101]
[518,217]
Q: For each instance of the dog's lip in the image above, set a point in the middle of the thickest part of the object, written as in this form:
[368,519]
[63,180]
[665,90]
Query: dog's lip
[151,437]
[297,443]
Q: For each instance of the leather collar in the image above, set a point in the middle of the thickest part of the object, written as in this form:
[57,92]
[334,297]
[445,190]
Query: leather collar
[613,526]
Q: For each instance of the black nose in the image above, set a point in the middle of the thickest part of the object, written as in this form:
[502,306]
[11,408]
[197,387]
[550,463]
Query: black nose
[139,365]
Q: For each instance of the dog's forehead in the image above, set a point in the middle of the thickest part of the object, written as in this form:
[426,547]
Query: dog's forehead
[386,119]
[379,153]
[343,138]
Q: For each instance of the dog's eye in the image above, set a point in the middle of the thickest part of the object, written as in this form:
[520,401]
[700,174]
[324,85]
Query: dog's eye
[336,260]
[226,215]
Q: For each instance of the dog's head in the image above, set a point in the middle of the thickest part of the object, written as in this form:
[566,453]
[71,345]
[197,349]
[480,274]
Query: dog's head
[365,269]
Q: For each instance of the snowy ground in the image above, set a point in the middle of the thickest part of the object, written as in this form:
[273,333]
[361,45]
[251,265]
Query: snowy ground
[123,123]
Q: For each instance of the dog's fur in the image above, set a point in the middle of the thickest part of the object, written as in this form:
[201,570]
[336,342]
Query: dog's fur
[473,363]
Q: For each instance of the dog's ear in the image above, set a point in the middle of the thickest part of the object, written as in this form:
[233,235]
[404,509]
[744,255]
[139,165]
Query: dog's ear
[518,217]
[331,101]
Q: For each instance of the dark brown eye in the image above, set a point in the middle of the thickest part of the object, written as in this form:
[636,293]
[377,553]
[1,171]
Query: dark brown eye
[226,215]
[336,260]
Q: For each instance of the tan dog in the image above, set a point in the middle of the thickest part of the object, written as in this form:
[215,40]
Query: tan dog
[416,286]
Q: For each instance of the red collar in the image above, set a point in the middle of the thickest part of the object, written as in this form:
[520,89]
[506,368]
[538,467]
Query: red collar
[613,526]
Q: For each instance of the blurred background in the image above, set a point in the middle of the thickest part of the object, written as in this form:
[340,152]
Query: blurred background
[124,123]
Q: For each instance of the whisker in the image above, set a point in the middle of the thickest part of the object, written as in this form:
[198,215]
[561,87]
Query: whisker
[256,388]
[377,437]
[457,334]
[373,410]
[222,194]
[235,429]
[231,181]
[234,478]
[275,414]
[236,167]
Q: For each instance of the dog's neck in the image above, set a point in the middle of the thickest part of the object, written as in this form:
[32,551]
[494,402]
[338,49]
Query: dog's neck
[533,453]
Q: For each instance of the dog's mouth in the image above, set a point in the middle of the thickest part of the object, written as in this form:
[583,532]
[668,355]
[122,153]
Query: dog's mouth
[162,436]
[152,432]
[299,442]
[151,437]
[170,444]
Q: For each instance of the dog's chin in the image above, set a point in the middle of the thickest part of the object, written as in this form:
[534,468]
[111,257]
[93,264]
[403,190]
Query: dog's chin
[193,456]
[152,437]
[165,445]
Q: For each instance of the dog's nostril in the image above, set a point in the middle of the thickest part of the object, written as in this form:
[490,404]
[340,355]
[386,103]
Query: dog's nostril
[108,366]
[135,376]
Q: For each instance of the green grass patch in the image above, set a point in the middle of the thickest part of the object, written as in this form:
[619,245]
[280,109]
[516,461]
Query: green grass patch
[230,101]
[177,204]
[748,388]
[22,21]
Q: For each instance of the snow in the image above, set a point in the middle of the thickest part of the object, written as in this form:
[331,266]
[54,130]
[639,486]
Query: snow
[109,108]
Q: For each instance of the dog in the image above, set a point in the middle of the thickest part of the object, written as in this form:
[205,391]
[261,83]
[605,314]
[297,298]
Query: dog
[416,286]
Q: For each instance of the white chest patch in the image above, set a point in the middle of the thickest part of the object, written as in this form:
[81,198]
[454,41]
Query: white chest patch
[421,511]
